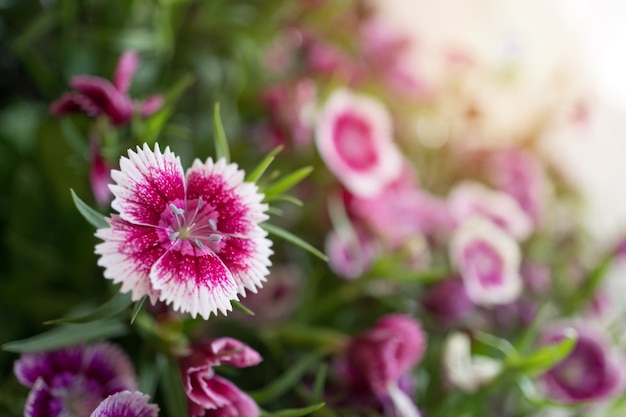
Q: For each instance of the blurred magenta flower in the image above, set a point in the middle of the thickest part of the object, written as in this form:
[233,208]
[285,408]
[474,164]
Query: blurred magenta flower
[594,371]
[189,239]
[96,96]
[488,260]
[71,382]
[384,354]
[126,404]
[447,301]
[210,395]
[353,136]
[99,174]
[470,198]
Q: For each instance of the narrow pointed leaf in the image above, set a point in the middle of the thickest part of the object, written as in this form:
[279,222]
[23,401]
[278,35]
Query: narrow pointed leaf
[288,236]
[238,306]
[221,143]
[172,387]
[92,216]
[137,308]
[287,182]
[115,305]
[545,357]
[294,412]
[286,381]
[67,335]
[258,172]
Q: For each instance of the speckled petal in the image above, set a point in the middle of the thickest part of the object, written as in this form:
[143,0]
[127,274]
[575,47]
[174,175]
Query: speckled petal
[193,280]
[147,182]
[126,404]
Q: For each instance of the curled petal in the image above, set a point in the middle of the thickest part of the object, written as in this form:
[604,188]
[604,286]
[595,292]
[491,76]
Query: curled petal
[75,103]
[230,351]
[151,105]
[125,70]
[116,105]
[234,402]
[41,403]
[126,404]
[194,280]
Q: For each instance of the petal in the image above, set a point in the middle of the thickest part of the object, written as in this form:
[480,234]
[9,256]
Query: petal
[246,251]
[147,182]
[235,402]
[41,403]
[151,105]
[126,404]
[33,366]
[230,351]
[108,363]
[125,70]
[194,280]
[75,103]
[127,254]
[103,94]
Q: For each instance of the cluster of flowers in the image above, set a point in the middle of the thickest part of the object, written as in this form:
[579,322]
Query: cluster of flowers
[476,247]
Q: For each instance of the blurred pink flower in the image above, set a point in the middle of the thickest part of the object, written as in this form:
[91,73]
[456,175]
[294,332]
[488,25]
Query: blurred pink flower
[192,240]
[520,174]
[95,96]
[447,301]
[594,371]
[488,260]
[126,404]
[468,199]
[353,136]
[350,252]
[210,395]
[381,356]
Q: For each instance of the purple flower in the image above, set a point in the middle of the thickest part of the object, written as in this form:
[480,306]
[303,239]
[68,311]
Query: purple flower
[381,356]
[593,371]
[210,395]
[126,404]
[192,240]
[353,136]
[71,382]
[96,96]
[448,301]
[488,260]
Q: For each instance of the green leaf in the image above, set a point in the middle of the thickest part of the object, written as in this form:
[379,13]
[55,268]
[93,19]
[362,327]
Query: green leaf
[320,382]
[172,387]
[294,412]
[115,305]
[286,381]
[67,335]
[137,308]
[238,306]
[290,237]
[95,218]
[260,169]
[221,143]
[545,357]
[285,183]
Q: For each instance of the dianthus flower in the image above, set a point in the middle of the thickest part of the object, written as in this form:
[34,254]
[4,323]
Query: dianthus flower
[593,371]
[71,382]
[488,259]
[382,356]
[210,395]
[192,240]
[97,96]
[353,136]
[126,404]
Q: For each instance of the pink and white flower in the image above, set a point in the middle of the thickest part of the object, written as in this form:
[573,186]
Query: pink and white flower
[488,260]
[470,199]
[190,239]
[353,136]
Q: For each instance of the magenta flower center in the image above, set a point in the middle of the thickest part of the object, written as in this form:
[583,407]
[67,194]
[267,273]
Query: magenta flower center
[193,221]
[354,142]
[485,262]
